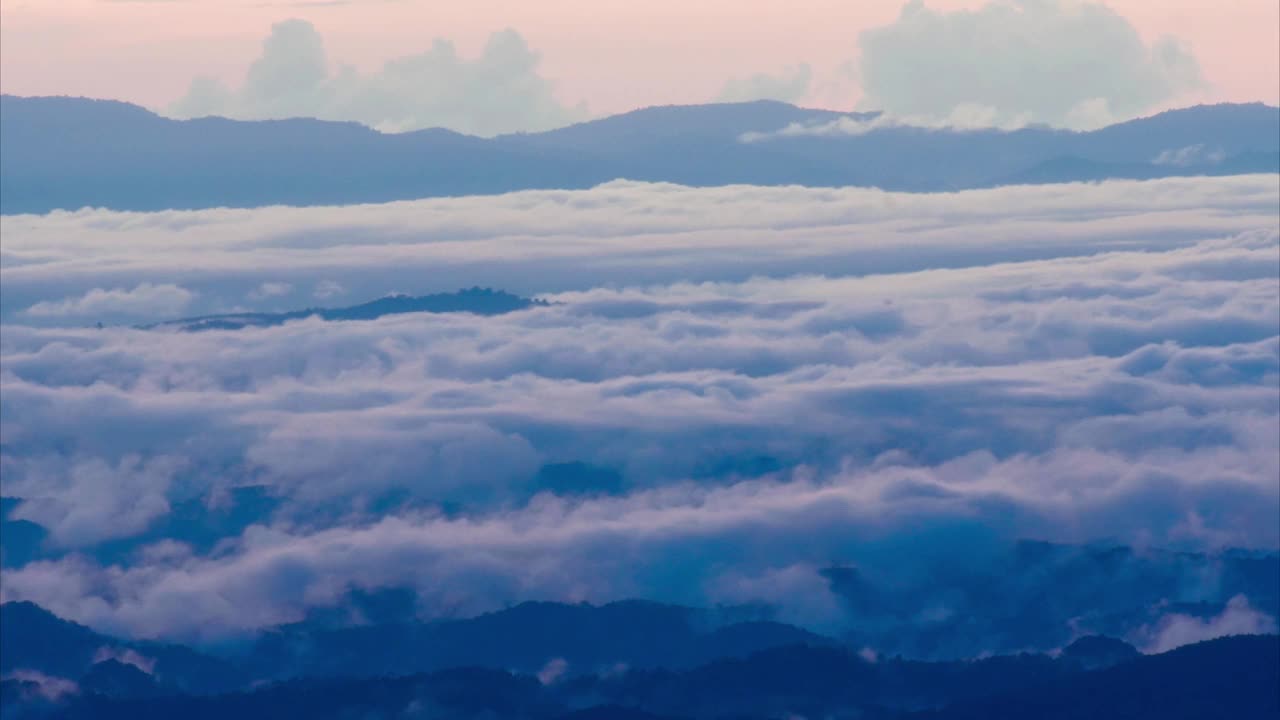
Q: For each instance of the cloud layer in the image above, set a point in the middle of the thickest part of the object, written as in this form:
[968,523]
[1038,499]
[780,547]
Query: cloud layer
[732,389]
[498,92]
[144,299]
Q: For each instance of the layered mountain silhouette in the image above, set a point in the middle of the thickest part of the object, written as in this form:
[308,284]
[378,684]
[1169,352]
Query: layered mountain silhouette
[799,675]
[1032,594]
[1232,677]
[376,634]
[69,153]
[35,640]
[479,301]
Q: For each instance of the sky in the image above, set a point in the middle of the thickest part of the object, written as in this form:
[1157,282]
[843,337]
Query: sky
[599,57]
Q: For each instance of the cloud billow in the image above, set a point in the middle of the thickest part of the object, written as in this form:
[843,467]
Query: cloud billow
[498,92]
[1013,62]
[157,300]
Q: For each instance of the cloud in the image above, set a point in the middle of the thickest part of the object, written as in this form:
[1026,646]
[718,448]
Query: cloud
[48,687]
[552,671]
[1190,155]
[145,300]
[270,290]
[128,656]
[327,289]
[964,117]
[1071,64]
[791,85]
[800,591]
[1178,629]
[498,92]
[87,500]
[555,241]
[772,381]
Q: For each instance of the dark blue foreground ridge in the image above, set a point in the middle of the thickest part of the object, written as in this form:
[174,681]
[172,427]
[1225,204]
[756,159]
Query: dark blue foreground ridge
[58,669]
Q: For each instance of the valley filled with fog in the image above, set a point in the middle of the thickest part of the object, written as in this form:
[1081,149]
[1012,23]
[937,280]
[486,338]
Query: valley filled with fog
[730,397]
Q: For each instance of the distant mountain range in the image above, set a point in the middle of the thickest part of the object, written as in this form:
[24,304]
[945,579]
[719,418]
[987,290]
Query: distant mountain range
[68,153]
[480,301]
[54,668]
[377,633]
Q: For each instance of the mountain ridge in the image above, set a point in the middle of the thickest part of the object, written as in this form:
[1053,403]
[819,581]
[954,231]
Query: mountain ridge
[476,300]
[69,153]
[1100,678]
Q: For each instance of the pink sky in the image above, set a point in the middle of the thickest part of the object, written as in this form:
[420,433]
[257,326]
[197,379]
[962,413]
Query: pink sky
[614,55]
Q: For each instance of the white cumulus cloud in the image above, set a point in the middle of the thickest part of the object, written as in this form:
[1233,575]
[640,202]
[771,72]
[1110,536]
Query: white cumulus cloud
[1061,62]
[498,92]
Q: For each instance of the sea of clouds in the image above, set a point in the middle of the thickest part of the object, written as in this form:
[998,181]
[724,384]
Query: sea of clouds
[770,380]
